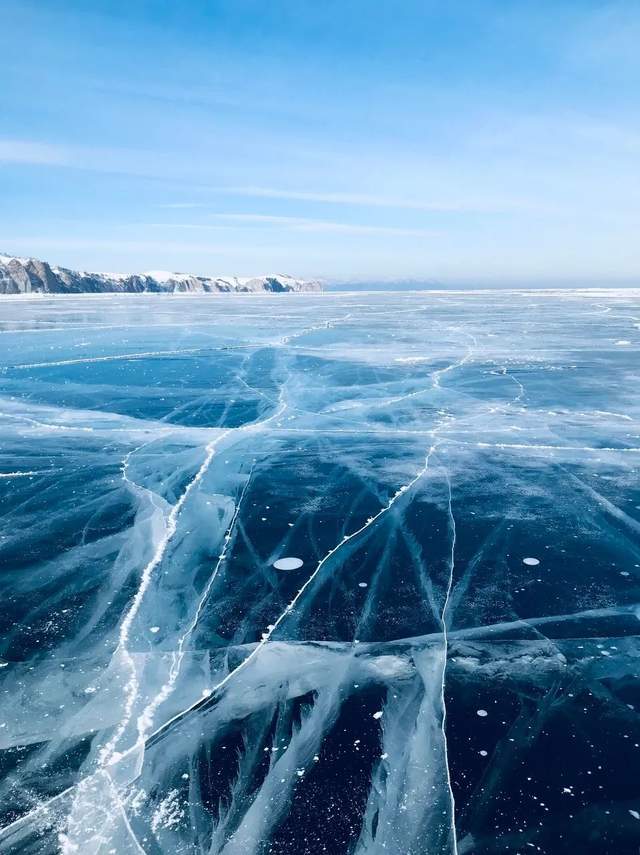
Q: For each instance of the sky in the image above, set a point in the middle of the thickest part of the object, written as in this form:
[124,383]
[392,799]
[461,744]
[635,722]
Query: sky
[479,142]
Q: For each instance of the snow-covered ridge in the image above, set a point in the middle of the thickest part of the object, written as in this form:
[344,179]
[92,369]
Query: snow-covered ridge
[30,275]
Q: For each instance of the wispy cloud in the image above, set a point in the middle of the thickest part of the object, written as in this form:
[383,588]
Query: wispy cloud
[30,242]
[181,205]
[84,157]
[27,151]
[139,162]
[300,224]
[376,200]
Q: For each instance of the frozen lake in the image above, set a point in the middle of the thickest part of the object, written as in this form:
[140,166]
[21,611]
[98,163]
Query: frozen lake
[450,666]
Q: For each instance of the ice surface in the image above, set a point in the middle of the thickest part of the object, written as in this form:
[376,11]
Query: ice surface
[454,666]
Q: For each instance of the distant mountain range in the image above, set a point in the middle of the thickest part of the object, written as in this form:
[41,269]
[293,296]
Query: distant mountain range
[29,276]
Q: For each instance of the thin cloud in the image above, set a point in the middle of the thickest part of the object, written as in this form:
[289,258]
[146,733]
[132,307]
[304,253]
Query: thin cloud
[377,201]
[300,224]
[54,244]
[27,151]
[180,205]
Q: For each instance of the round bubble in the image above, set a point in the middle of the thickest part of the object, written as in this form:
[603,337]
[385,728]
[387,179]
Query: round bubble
[532,562]
[288,563]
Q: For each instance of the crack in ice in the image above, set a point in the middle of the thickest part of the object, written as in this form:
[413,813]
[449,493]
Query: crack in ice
[109,750]
[445,643]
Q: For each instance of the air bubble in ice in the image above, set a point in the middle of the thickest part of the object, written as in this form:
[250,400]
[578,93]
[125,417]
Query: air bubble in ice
[288,563]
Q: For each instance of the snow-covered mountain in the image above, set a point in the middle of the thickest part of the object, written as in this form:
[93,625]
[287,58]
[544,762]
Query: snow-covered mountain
[29,275]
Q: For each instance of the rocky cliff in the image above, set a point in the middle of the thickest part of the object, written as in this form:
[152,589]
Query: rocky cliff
[29,275]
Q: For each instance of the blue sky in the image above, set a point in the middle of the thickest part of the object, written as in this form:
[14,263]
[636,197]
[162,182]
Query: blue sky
[477,141]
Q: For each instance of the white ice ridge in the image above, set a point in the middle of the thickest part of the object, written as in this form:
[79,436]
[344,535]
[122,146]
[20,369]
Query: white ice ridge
[149,354]
[108,754]
[109,751]
[145,720]
[325,325]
